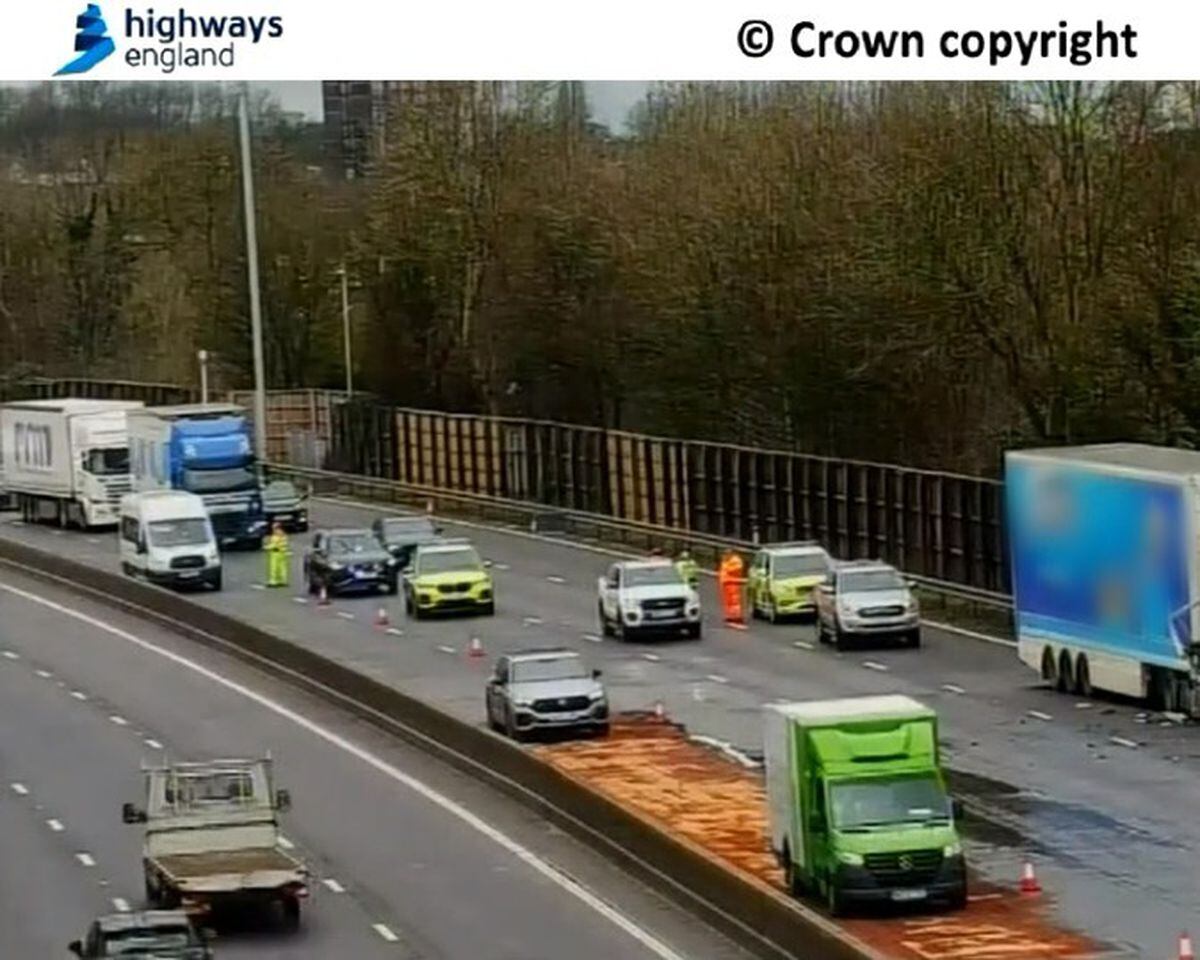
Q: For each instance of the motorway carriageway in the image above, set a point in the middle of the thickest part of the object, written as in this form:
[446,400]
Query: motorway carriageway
[1090,791]
[411,859]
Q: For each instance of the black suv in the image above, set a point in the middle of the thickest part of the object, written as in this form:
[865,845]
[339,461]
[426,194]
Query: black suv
[349,561]
[400,536]
[157,933]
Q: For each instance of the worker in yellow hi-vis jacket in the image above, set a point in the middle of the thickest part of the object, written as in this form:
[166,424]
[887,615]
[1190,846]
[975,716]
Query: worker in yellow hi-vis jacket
[278,556]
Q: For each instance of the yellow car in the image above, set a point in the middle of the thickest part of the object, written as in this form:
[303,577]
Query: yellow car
[782,579]
[448,576]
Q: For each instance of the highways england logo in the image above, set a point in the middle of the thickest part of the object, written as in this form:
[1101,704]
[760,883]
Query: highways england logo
[166,42]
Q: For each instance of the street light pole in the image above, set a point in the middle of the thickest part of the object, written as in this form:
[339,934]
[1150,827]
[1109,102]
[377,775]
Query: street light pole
[346,329]
[203,355]
[260,395]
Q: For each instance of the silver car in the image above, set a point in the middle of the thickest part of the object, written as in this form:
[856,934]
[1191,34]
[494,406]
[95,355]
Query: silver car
[545,690]
[865,599]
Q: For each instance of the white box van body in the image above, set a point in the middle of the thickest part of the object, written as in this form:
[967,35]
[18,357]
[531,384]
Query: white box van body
[67,461]
[167,538]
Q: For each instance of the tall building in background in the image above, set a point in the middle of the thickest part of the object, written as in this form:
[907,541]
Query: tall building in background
[356,113]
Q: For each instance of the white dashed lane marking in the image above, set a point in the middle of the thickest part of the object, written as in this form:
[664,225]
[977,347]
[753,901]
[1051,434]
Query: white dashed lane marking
[286,843]
[395,631]
[1122,742]
[152,743]
[449,650]
[44,674]
[20,789]
[384,931]
[333,885]
[717,678]
[556,579]
[593,638]
[345,615]
[803,645]
[1038,715]
[652,657]
[11,655]
[120,904]
[877,667]
[953,688]
[85,859]
[119,721]
[55,825]
[79,695]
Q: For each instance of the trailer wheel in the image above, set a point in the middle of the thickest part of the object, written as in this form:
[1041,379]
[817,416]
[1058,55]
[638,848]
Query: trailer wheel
[1083,677]
[791,876]
[1066,676]
[1049,668]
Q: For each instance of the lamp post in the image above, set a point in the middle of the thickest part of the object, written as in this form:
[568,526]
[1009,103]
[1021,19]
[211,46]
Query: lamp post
[260,394]
[203,357]
[341,272]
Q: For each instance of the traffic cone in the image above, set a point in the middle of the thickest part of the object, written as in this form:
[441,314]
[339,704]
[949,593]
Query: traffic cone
[475,650]
[1185,947]
[381,618]
[323,599]
[659,713]
[1029,881]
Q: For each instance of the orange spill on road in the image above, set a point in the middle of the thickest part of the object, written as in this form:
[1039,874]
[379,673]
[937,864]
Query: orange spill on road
[650,767]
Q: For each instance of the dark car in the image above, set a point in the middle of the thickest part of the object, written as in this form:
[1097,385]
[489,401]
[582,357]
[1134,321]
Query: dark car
[169,934]
[349,561]
[400,535]
[285,504]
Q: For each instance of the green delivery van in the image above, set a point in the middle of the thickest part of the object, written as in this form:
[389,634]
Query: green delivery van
[858,806]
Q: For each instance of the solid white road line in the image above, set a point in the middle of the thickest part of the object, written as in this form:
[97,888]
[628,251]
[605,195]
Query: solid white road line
[565,882]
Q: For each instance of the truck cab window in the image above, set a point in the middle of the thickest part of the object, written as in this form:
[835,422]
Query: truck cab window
[113,461]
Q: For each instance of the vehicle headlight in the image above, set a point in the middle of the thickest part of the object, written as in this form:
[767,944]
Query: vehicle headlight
[336,566]
[911,605]
[845,609]
[597,695]
[952,849]
[522,702]
[850,859]
[390,561]
[693,611]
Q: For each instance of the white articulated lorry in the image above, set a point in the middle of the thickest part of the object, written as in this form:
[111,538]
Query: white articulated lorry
[67,461]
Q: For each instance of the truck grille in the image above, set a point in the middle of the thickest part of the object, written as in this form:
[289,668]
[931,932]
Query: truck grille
[454,587]
[893,611]
[908,868]
[670,603]
[189,562]
[114,490]
[560,704]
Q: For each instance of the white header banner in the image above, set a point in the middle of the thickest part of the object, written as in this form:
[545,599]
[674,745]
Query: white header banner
[612,40]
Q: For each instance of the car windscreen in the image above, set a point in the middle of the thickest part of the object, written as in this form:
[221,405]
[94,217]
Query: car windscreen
[280,490]
[134,943]
[563,668]
[800,565]
[407,531]
[657,576]
[868,581]
[113,461]
[220,481]
[178,533]
[874,803]
[352,543]
[448,561]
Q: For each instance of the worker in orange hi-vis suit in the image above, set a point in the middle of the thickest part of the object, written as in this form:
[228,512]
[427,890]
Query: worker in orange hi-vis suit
[731,576]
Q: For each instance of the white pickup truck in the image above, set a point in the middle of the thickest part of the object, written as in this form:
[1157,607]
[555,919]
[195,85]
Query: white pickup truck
[647,596]
[212,838]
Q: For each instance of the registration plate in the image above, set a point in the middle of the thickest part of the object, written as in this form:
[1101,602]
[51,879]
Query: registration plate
[361,574]
[189,574]
[660,614]
[907,896]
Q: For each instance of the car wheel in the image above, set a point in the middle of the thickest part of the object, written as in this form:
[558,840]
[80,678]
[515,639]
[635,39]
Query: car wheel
[393,587]
[127,569]
[694,631]
[791,877]
[606,629]
[490,609]
[602,730]
[291,913]
[958,899]
[216,581]
[1049,668]
[834,901]
[510,726]
[1066,676]
[840,640]
[914,638]
[772,613]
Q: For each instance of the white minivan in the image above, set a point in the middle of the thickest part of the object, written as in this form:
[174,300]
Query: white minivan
[167,538]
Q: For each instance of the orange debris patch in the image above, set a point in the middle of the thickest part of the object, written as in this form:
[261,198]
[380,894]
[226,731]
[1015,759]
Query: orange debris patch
[649,766]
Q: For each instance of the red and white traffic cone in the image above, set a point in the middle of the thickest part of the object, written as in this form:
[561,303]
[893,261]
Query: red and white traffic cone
[475,650]
[323,597]
[381,618]
[1029,881]
[1185,947]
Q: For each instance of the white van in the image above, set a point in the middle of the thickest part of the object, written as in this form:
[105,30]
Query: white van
[167,538]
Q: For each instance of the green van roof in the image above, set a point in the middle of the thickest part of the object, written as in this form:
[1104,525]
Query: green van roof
[827,713]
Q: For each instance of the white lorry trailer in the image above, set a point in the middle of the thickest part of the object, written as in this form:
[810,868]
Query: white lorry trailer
[213,839]
[67,461]
[1105,548]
